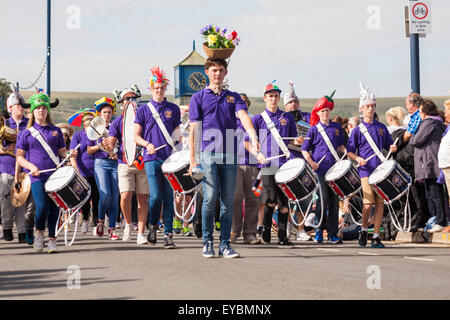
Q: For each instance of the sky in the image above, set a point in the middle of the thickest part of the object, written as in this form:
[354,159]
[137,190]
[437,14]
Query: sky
[101,45]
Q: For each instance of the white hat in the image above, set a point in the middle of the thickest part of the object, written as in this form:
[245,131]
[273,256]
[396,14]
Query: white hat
[13,99]
[125,91]
[365,96]
[290,95]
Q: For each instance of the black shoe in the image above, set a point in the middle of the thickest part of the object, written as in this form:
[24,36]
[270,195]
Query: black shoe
[266,235]
[376,243]
[22,237]
[168,242]
[30,237]
[151,237]
[285,243]
[198,229]
[8,235]
[362,240]
[259,230]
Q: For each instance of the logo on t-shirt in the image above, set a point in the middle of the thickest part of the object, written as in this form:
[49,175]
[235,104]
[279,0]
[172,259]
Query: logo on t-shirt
[230,99]
[283,121]
[55,133]
[381,131]
[168,114]
[336,131]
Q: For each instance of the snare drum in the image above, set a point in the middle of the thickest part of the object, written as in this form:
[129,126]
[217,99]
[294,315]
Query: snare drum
[343,178]
[175,167]
[67,188]
[297,179]
[390,181]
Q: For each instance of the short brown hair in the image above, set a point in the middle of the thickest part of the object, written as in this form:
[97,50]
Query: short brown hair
[415,99]
[215,62]
[429,108]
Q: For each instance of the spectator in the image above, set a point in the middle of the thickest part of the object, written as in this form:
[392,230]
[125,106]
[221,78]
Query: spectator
[426,143]
[394,118]
[444,149]
[413,101]
[353,122]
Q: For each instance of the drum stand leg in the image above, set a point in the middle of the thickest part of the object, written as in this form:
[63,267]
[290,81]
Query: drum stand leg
[192,204]
[407,216]
[359,212]
[305,215]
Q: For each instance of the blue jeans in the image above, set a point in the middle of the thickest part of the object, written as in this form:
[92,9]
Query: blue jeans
[221,177]
[105,171]
[46,209]
[160,193]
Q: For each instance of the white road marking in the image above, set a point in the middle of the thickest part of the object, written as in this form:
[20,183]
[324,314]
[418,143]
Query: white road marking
[421,259]
[325,249]
[368,253]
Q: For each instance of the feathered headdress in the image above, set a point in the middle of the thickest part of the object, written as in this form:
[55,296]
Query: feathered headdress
[158,76]
[14,98]
[365,96]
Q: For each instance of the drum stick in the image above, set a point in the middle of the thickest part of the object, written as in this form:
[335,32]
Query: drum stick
[342,158]
[389,154]
[67,157]
[289,138]
[274,157]
[160,147]
[368,159]
[46,170]
[320,161]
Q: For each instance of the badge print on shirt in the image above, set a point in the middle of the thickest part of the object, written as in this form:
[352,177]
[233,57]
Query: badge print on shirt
[230,99]
[55,133]
[168,114]
[283,121]
[381,131]
[336,131]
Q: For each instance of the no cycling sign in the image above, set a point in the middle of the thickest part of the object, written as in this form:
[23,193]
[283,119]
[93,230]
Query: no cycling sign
[419,17]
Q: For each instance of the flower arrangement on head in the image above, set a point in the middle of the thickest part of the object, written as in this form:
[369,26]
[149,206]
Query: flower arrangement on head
[158,76]
[218,38]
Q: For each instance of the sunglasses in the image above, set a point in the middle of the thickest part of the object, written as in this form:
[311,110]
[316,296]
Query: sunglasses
[129,98]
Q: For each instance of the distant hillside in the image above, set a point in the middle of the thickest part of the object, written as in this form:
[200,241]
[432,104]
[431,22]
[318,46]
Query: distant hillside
[70,102]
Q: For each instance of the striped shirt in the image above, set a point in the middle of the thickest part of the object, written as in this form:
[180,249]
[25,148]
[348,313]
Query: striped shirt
[414,123]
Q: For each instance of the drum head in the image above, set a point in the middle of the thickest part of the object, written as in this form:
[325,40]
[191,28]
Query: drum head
[129,146]
[382,171]
[289,170]
[96,128]
[338,170]
[176,161]
[59,178]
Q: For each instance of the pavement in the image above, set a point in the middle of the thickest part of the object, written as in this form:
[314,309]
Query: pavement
[98,268]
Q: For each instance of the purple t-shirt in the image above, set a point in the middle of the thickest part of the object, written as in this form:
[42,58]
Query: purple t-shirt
[318,147]
[115,130]
[218,116]
[85,161]
[171,118]
[244,157]
[285,125]
[358,144]
[7,162]
[35,152]
[99,154]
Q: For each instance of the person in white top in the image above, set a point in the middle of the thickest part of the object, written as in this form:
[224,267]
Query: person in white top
[444,149]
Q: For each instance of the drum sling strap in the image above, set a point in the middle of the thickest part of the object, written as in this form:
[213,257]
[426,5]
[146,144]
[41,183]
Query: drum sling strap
[327,141]
[273,130]
[36,134]
[161,126]
[372,144]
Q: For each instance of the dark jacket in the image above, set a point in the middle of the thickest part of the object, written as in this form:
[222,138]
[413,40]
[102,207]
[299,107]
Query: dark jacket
[405,152]
[426,146]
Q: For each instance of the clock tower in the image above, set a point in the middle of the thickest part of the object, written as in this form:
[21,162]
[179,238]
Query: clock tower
[189,77]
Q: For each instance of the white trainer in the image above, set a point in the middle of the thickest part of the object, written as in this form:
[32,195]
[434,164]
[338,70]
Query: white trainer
[51,246]
[84,227]
[127,232]
[436,228]
[303,236]
[38,242]
[141,239]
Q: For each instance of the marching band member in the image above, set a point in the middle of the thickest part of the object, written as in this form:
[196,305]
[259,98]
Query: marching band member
[37,149]
[292,105]
[17,122]
[105,172]
[131,179]
[325,139]
[272,123]
[359,148]
[155,124]
[85,163]
[67,131]
[212,112]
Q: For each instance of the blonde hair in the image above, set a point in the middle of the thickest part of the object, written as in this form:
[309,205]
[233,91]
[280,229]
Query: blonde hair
[397,113]
[447,104]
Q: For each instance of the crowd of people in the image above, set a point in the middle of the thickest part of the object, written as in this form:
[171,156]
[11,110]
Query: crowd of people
[240,158]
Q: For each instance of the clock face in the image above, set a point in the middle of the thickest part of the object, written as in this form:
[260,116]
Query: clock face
[197,81]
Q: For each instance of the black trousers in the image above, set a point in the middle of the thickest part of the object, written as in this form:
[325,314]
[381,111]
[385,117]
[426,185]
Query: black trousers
[86,209]
[275,196]
[435,196]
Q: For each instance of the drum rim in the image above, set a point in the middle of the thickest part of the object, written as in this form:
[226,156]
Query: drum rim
[125,150]
[390,171]
[173,171]
[351,165]
[401,194]
[274,176]
[74,172]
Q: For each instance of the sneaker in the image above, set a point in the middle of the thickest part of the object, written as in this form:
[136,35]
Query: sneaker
[84,227]
[99,229]
[8,235]
[51,246]
[362,239]
[113,234]
[160,227]
[187,232]
[436,228]
[217,226]
[151,237]
[309,222]
[177,226]
[376,243]
[285,243]
[168,242]
[22,237]
[38,242]
[208,250]
[127,233]
[259,230]
[266,235]
[334,240]
[303,236]
[30,237]
[318,237]
[1,233]
[289,229]
[228,252]
[134,226]
[94,231]
[141,239]
[251,239]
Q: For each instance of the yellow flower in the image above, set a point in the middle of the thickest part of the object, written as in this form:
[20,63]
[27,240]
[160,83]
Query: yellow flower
[212,38]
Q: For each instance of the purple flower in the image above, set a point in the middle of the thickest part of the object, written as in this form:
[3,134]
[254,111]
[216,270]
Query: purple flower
[224,30]
[217,29]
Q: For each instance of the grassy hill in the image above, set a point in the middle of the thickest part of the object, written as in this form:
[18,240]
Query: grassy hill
[70,102]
